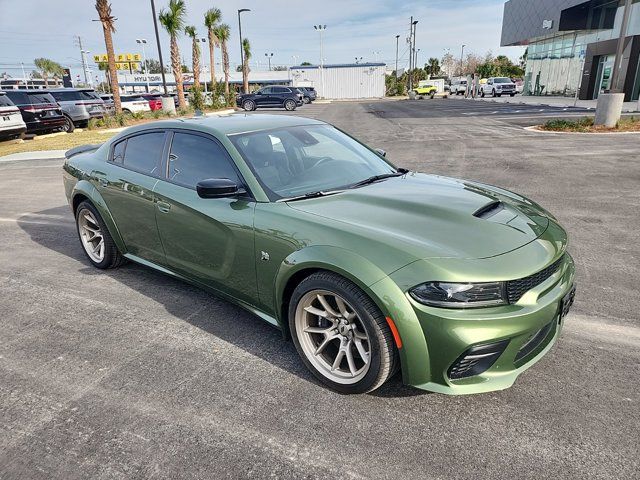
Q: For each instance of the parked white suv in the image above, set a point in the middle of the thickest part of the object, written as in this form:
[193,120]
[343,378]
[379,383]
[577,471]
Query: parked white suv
[498,86]
[130,103]
[11,123]
[458,87]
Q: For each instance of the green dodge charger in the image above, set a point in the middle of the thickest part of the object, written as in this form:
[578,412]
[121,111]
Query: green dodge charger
[367,267]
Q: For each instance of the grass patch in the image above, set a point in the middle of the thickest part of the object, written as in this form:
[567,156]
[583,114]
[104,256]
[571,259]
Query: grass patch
[585,125]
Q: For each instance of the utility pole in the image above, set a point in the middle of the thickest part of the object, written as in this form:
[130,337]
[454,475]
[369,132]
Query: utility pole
[85,67]
[155,26]
[320,29]
[410,53]
[461,59]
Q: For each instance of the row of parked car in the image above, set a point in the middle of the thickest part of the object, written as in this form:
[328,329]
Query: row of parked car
[493,86]
[40,111]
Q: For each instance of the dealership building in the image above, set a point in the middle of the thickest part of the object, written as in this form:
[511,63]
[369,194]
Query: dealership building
[572,45]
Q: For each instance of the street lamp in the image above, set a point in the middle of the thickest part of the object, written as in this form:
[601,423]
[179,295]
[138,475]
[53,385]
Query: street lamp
[320,29]
[164,79]
[240,33]
[143,42]
[397,37]
[269,55]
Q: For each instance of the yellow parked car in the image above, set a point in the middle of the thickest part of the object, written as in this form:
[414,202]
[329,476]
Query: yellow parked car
[426,91]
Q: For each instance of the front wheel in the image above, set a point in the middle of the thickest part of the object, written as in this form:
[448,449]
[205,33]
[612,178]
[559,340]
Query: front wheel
[340,334]
[493,93]
[95,238]
[306,100]
[289,105]
[249,105]
[512,94]
[482,94]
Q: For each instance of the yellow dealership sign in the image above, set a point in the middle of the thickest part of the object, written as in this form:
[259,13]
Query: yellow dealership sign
[124,61]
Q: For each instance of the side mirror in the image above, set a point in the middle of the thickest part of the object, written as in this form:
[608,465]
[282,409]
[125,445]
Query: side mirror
[381,152]
[258,92]
[218,188]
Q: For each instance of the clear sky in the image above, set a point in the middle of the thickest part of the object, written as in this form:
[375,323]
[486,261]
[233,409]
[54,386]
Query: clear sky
[355,28]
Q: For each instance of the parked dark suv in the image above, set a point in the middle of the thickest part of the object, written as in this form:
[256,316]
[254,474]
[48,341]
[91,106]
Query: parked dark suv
[274,96]
[39,110]
[308,94]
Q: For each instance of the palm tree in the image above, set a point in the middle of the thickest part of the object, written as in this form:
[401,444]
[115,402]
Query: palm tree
[108,27]
[246,48]
[48,67]
[211,19]
[222,33]
[195,55]
[173,22]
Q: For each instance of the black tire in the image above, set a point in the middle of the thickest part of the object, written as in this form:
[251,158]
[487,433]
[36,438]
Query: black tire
[482,93]
[384,356]
[512,94]
[289,105]
[249,105]
[498,94]
[126,111]
[112,256]
[68,126]
[306,100]
[432,95]
[493,93]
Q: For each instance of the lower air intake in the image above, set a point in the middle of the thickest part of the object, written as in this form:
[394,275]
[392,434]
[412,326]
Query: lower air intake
[476,360]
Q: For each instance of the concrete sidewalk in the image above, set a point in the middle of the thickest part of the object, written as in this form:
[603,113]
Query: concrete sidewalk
[35,155]
[552,102]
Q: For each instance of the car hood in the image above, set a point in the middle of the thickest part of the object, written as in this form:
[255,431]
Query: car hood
[430,216]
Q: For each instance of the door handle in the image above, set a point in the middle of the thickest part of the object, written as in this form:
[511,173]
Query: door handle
[164,207]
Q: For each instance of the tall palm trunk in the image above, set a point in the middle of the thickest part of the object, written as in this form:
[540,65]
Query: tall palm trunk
[245,76]
[212,46]
[177,71]
[195,56]
[225,63]
[115,90]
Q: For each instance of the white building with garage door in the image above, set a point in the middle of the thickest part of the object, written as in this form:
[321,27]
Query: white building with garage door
[342,81]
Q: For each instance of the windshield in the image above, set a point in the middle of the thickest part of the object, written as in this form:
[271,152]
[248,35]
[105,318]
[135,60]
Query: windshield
[295,161]
[502,80]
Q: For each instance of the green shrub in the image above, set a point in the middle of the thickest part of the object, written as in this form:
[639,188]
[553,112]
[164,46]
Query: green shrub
[138,115]
[196,99]
[93,123]
[120,119]
[560,125]
[156,114]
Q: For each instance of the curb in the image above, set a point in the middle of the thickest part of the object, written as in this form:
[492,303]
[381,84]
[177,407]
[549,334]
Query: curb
[35,155]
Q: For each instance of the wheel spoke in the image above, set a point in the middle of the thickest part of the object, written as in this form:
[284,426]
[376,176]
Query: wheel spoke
[98,247]
[316,311]
[323,330]
[350,361]
[325,304]
[360,335]
[327,340]
[343,308]
[361,350]
[338,360]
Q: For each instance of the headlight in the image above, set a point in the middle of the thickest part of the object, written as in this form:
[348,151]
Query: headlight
[460,295]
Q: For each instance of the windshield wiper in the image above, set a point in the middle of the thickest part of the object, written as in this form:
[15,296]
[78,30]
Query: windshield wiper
[317,194]
[376,178]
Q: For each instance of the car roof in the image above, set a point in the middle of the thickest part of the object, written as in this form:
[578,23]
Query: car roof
[70,90]
[222,125]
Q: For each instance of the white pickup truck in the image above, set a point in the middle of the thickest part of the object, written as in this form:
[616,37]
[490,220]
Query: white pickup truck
[498,86]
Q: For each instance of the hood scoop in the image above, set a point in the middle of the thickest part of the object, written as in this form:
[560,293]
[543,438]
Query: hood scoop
[489,210]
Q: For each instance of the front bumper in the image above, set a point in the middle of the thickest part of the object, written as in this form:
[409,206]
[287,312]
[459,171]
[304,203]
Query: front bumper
[436,340]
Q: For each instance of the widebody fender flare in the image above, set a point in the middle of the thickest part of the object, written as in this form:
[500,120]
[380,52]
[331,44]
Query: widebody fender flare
[88,190]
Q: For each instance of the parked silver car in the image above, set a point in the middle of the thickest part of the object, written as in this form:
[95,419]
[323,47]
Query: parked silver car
[78,105]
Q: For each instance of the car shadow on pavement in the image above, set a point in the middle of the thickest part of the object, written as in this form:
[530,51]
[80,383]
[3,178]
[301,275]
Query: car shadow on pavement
[198,307]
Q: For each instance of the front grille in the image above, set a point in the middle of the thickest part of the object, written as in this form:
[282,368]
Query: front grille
[517,288]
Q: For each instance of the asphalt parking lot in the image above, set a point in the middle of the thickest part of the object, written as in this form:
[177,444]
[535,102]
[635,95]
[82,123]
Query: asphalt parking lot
[131,374]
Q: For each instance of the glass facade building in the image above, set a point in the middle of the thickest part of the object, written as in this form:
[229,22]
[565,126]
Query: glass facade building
[571,45]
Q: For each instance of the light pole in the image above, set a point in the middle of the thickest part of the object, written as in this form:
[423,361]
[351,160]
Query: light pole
[155,26]
[320,29]
[375,56]
[269,55]
[143,42]
[397,40]
[240,32]
[461,56]
[295,59]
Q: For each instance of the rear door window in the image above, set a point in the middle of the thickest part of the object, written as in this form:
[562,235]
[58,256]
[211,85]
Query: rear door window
[65,96]
[194,158]
[19,98]
[143,152]
[5,101]
[36,98]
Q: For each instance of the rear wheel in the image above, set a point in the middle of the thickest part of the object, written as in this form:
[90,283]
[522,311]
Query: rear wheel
[306,100]
[493,93]
[341,335]
[482,93]
[95,238]
[289,105]
[512,94]
[249,105]
[68,125]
